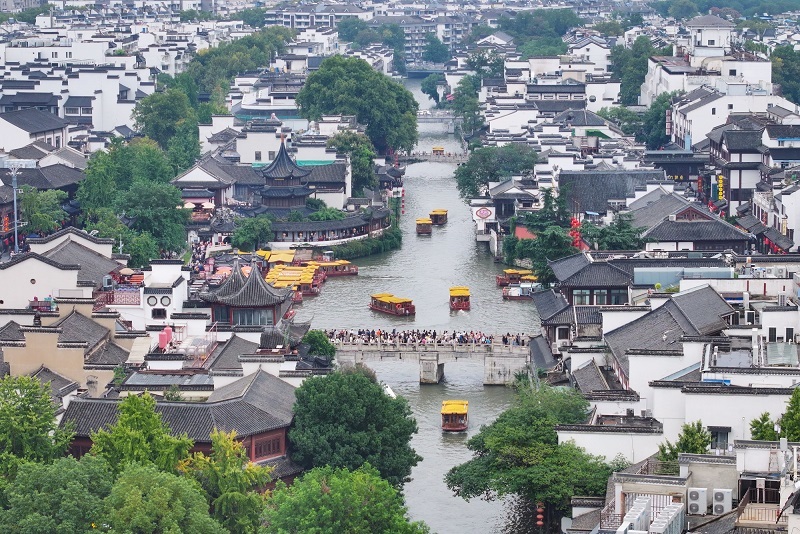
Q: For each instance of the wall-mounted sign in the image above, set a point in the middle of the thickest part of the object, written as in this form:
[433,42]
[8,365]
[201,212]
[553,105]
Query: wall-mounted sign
[720,187]
[484,213]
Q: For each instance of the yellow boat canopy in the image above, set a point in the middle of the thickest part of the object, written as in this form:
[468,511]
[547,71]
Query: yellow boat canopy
[439,212]
[454,407]
[521,272]
[424,220]
[530,278]
[459,291]
[263,253]
[286,256]
[388,298]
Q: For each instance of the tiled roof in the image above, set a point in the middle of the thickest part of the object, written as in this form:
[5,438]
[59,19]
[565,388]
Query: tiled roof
[655,212]
[284,167]
[548,302]
[541,355]
[598,274]
[709,21]
[253,294]
[580,117]
[742,140]
[34,121]
[11,332]
[74,231]
[335,172]
[76,328]
[256,403]
[703,307]
[59,384]
[591,190]
[710,230]
[589,378]
[109,354]
[94,266]
[282,334]
[567,266]
[226,355]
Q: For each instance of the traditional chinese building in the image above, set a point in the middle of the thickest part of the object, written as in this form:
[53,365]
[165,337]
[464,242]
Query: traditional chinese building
[285,186]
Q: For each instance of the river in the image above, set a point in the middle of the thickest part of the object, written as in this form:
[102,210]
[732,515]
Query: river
[424,269]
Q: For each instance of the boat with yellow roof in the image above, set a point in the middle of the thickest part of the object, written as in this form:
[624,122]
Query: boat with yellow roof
[454,415]
[512,276]
[438,217]
[335,267]
[459,298]
[388,303]
[424,226]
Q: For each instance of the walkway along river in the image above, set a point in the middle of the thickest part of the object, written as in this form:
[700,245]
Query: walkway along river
[424,269]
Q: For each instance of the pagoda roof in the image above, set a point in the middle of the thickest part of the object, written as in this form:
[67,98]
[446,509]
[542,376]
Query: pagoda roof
[253,293]
[283,166]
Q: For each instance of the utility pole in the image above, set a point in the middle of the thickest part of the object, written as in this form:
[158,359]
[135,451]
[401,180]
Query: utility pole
[14,167]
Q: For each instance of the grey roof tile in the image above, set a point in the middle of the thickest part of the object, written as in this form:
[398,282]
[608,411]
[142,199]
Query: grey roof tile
[598,274]
[34,121]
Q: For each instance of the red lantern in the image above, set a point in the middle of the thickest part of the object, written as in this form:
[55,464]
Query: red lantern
[540,523]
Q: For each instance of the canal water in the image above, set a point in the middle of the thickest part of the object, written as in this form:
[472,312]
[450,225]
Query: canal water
[423,270]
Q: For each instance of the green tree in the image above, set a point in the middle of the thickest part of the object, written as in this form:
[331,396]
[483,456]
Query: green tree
[435,50]
[63,497]
[295,216]
[140,246]
[319,343]
[786,71]
[191,15]
[322,502]
[519,453]
[28,430]
[619,235]
[554,211]
[693,439]
[362,158]
[146,500]
[629,121]
[156,208]
[231,482]
[551,243]
[183,148]
[543,46]
[349,85]
[253,17]
[609,27]
[327,214]
[430,86]
[42,209]
[465,103]
[790,420]
[630,65]
[368,426]
[654,121]
[763,428]
[350,27]
[493,164]
[250,233]
[140,437]
[485,64]
[682,9]
[161,114]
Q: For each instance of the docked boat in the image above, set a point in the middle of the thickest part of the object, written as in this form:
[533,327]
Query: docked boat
[336,267]
[454,415]
[438,217]
[512,276]
[388,303]
[424,226]
[522,291]
[459,298]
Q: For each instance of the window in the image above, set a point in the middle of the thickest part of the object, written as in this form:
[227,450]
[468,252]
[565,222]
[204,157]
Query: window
[271,155]
[159,313]
[69,55]
[54,55]
[719,437]
[268,447]
[562,333]
[789,335]
[86,111]
[732,72]
[730,106]
[581,296]
[72,111]
[258,155]
[618,297]
[711,42]
[773,334]
[248,316]
[713,111]
[600,297]
[781,143]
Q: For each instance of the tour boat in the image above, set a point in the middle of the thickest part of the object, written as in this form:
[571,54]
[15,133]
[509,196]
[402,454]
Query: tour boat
[388,303]
[424,226]
[438,217]
[521,291]
[454,415]
[438,151]
[512,276]
[459,298]
[336,267]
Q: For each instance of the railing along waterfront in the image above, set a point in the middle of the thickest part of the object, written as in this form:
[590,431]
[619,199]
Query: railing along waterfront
[494,346]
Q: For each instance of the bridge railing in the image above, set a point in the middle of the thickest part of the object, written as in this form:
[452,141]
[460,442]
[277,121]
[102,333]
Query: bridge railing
[476,346]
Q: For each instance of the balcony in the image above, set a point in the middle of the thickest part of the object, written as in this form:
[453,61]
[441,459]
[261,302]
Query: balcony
[760,508]
[119,297]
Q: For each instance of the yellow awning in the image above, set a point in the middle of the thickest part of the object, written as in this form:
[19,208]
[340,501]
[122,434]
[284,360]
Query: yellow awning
[439,212]
[454,407]
[459,291]
[424,220]
[286,256]
[521,272]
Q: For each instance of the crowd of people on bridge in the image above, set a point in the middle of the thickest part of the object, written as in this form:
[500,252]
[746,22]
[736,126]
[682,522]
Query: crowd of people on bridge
[393,337]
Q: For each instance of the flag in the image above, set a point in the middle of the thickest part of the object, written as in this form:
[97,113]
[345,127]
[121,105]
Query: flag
[450,97]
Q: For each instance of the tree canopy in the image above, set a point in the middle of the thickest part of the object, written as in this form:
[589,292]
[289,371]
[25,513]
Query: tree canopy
[63,497]
[160,115]
[140,436]
[619,235]
[251,232]
[465,104]
[41,210]
[630,65]
[693,438]
[786,71]
[435,50]
[519,453]
[430,86]
[156,208]
[231,483]
[493,164]
[146,500]
[350,86]
[28,430]
[362,156]
[367,426]
[319,344]
[329,500]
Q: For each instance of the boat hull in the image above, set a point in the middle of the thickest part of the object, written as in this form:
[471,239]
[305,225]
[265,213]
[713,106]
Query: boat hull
[404,312]
[456,307]
[517,297]
[455,428]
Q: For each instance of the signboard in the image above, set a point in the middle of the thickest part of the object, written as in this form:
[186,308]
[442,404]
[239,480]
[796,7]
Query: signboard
[483,213]
[720,187]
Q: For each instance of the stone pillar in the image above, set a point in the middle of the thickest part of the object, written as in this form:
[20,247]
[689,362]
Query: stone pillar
[430,370]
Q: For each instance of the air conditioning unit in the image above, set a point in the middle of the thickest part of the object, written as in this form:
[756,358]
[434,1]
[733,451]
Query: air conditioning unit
[722,503]
[108,283]
[698,501]
[780,272]
[659,527]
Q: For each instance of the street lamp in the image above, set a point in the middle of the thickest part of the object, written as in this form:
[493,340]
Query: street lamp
[14,167]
